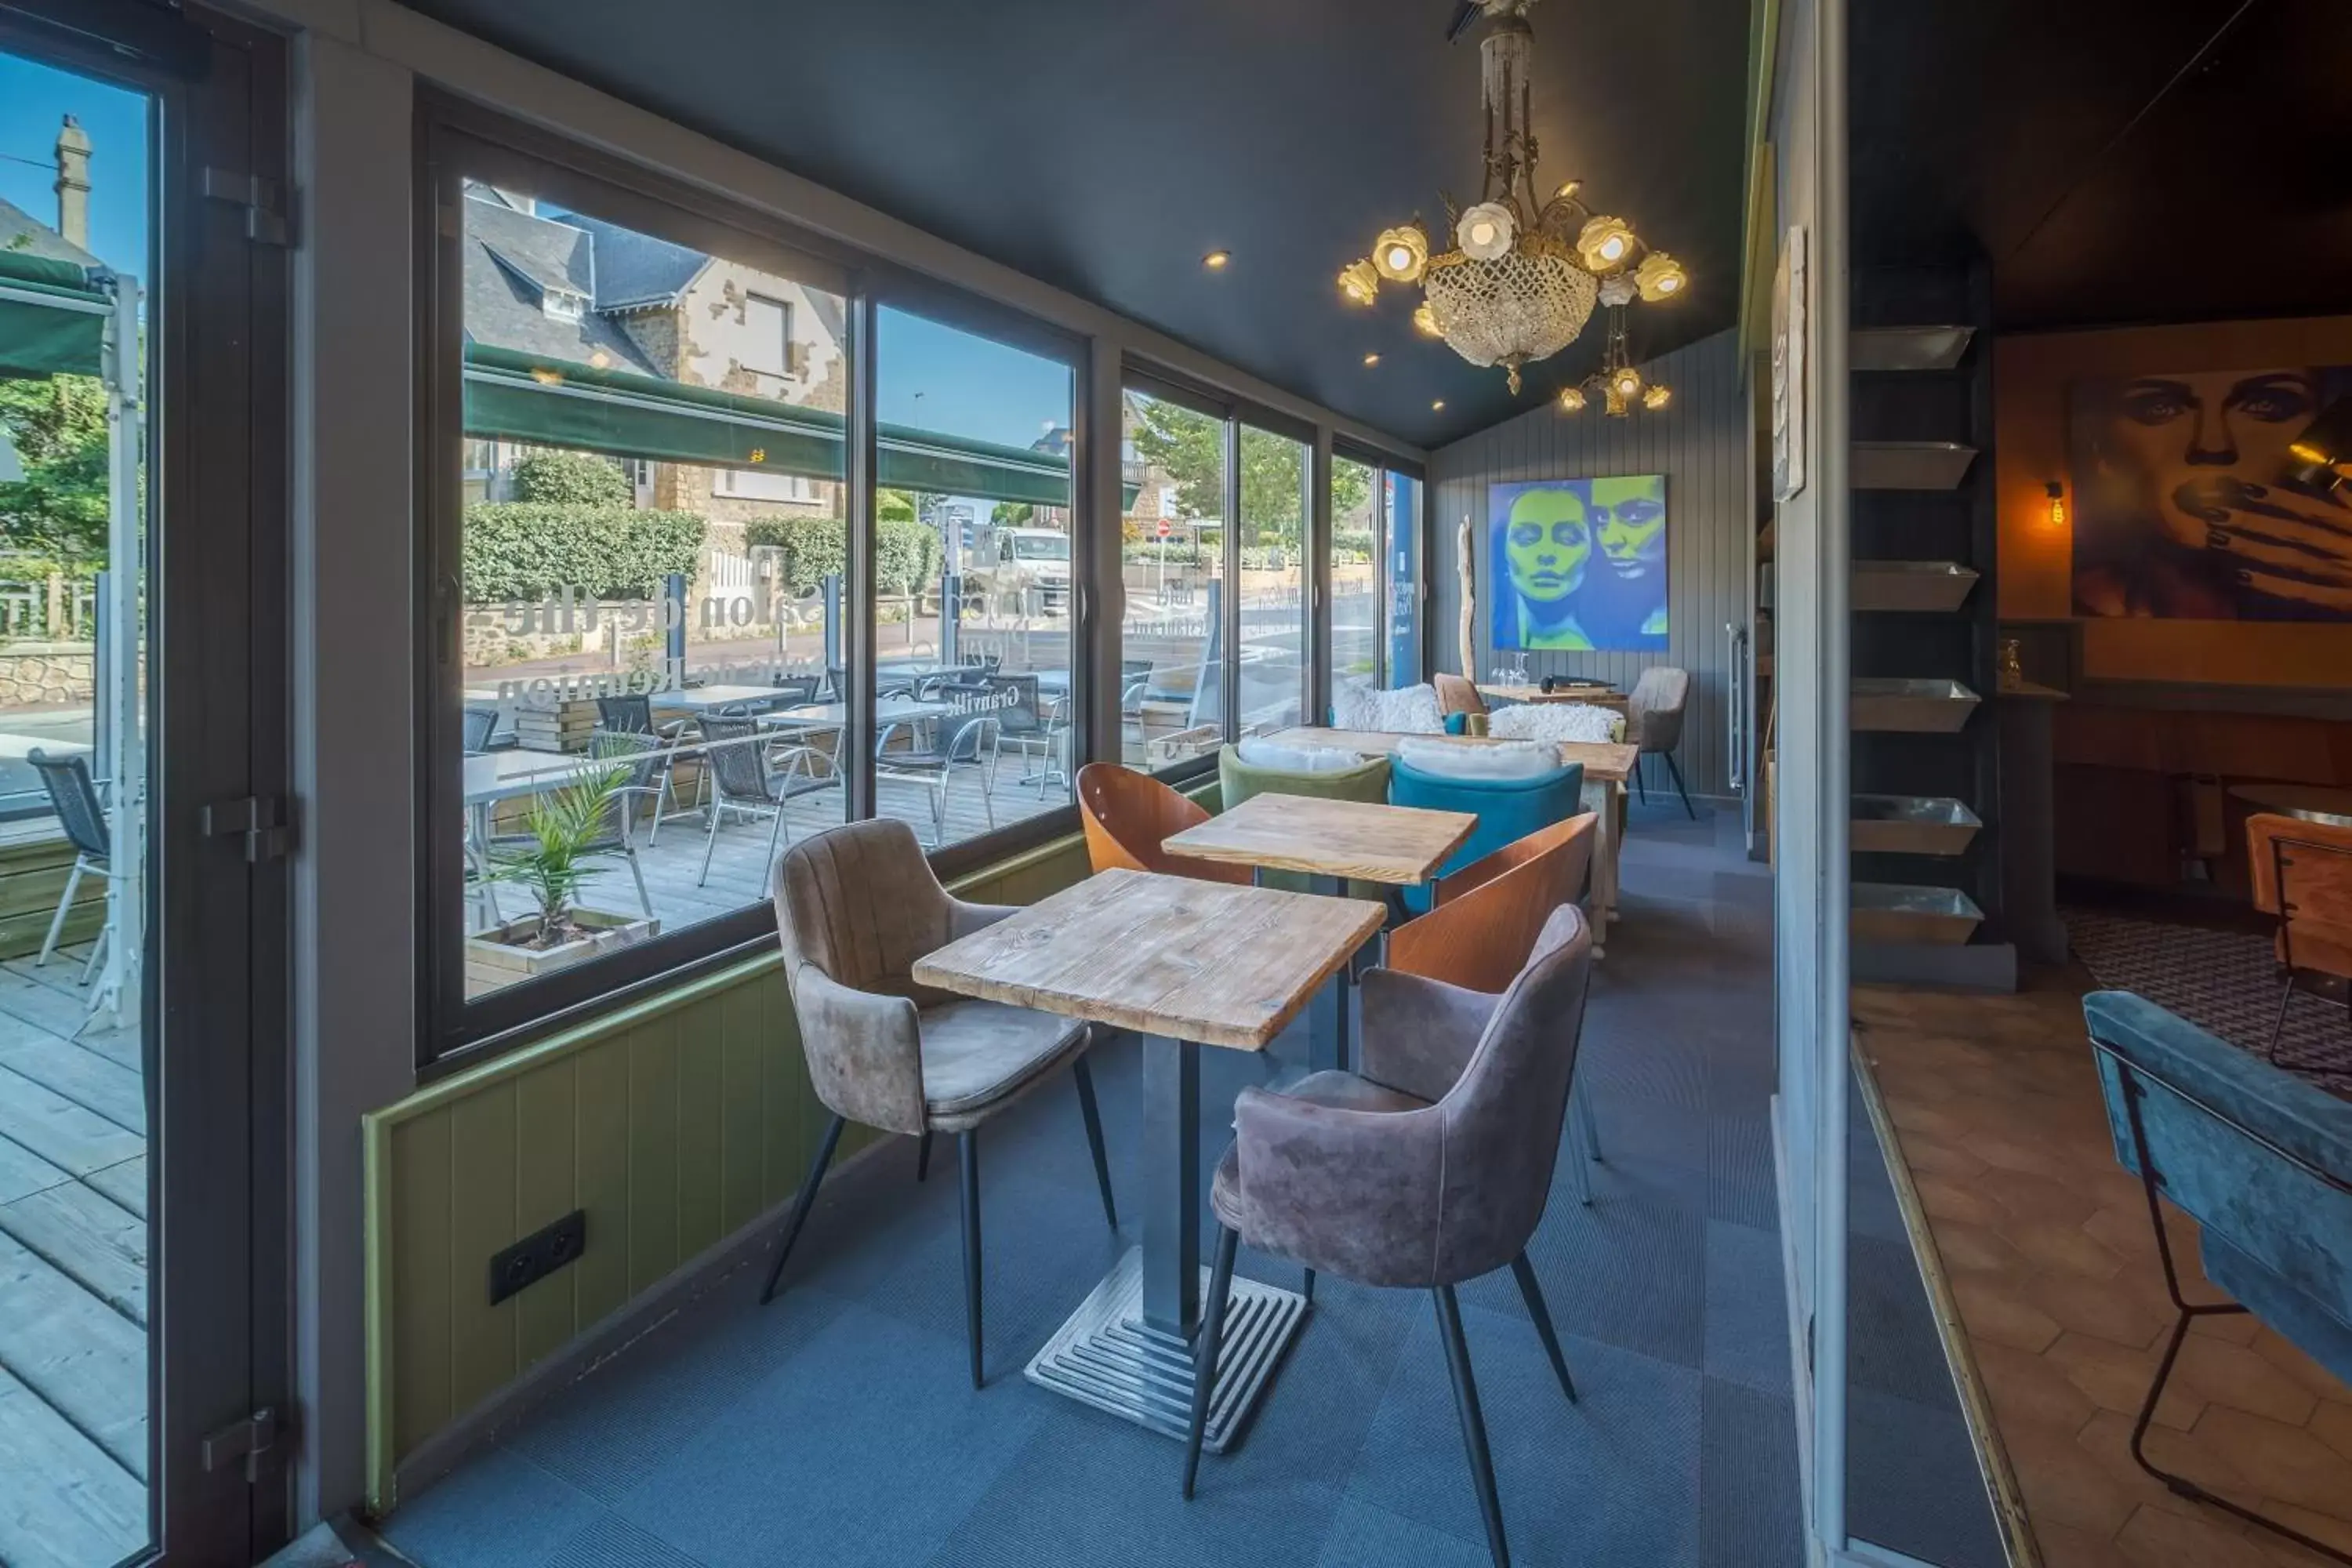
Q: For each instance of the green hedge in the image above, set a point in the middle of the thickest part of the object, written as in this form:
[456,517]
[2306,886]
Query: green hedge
[528,550]
[906,552]
[576,478]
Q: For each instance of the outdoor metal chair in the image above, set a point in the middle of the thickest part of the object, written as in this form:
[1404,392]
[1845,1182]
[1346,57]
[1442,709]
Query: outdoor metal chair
[481,723]
[974,745]
[73,795]
[747,781]
[632,714]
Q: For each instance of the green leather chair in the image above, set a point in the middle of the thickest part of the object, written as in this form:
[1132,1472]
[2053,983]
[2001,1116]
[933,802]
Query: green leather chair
[1238,780]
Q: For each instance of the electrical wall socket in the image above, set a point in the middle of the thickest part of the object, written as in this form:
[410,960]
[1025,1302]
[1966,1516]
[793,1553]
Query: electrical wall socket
[537,1255]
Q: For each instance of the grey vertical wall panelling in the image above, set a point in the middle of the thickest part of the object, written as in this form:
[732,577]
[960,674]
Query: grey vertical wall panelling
[1700,442]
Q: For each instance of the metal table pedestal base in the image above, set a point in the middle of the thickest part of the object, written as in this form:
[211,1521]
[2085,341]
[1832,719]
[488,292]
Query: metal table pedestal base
[1106,1356]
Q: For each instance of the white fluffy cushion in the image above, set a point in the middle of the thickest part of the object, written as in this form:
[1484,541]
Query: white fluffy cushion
[1556,721]
[1512,759]
[1260,752]
[1358,704]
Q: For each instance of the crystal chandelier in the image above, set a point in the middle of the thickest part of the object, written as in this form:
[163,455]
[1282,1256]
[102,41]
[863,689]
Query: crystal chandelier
[1526,270]
[1618,383]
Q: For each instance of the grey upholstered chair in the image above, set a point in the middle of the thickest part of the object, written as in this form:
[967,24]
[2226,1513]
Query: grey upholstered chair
[1430,1168]
[856,906]
[1653,720]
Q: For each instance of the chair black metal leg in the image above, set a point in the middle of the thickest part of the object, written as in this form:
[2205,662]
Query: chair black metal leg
[1675,768]
[1307,1288]
[1093,1114]
[1473,1425]
[2279,1027]
[802,1204]
[1641,785]
[923,1157]
[1532,1293]
[968,1151]
[1204,1352]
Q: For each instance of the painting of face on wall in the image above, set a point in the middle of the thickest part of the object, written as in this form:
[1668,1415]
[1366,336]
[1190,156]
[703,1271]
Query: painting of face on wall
[2197,495]
[1580,565]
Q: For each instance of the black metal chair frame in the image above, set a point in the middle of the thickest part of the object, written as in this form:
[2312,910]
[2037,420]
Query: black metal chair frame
[934,769]
[2135,1079]
[805,770]
[2279,863]
[635,705]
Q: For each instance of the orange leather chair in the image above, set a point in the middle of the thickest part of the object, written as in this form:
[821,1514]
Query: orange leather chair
[1128,815]
[1457,694]
[2303,874]
[1484,920]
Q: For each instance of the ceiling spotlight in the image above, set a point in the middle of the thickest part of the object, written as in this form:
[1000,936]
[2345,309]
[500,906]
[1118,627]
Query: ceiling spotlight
[1372,359]
[1216,259]
[1436,405]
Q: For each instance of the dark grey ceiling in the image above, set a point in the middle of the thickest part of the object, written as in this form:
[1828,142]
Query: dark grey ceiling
[1104,145]
[2118,161]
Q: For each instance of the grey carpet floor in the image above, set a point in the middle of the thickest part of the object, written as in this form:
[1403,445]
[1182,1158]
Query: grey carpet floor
[836,1426]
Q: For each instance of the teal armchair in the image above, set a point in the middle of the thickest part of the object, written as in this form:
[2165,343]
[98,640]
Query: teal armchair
[1508,809]
[2262,1160]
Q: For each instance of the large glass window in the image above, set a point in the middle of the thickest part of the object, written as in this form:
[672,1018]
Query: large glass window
[1401,547]
[650,562]
[1271,656]
[973,586]
[1355,572]
[1172,555]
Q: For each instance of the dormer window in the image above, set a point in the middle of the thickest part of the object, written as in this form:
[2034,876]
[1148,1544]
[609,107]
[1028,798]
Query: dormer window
[563,304]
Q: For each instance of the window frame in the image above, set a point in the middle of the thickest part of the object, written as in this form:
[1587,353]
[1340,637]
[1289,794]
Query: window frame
[456,140]
[1383,465]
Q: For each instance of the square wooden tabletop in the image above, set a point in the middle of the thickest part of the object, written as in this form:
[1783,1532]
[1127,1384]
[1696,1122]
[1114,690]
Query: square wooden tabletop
[1210,962]
[1399,845]
[1605,762]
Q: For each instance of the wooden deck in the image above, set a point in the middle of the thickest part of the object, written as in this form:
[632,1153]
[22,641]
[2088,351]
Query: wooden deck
[73,1276]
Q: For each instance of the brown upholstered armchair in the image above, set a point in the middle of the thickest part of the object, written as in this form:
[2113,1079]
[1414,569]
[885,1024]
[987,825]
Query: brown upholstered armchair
[1430,1168]
[855,906]
[1654,720]
[2303,874]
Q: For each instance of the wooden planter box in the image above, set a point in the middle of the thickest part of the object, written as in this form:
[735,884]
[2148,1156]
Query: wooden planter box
[492,962]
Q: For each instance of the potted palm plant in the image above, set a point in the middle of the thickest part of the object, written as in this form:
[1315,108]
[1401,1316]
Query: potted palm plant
[572,832]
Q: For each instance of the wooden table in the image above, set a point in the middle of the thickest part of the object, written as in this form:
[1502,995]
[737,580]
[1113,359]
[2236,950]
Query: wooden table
[1607,764]
[1185,963]
[1596,696]
[1329,841]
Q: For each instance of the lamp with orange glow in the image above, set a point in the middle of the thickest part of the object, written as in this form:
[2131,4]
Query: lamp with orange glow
[2056,490]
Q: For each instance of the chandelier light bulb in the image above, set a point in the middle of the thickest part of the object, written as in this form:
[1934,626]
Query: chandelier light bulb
[1626,382]
[1401,253]
[1604,242]
[1359,282]
[1571,399]
[1660,277]
[1424,321]
[1657,397]
[1486,232]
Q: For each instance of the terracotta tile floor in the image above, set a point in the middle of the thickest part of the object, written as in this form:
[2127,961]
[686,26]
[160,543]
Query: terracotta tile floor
[2046,1243]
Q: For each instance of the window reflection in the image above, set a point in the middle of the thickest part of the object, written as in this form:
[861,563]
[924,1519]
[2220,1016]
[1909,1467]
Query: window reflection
[1172,680]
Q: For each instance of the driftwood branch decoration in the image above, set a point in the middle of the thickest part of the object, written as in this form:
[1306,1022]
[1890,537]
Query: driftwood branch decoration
[1469,599]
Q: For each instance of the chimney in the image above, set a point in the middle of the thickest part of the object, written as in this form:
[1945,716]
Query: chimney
[73,183]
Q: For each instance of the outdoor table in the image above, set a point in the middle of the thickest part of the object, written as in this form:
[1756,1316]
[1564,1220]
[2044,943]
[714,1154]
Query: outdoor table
[833,715]
[1185,963]
[1329,841]
[1607,764]
[703,699]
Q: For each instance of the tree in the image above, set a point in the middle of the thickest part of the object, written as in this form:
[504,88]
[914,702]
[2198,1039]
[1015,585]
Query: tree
[1189,448]
[576,478]
[58,509]
[1014,514]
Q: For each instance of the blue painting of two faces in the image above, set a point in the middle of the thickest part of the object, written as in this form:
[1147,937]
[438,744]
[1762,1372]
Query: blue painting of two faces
[1580,565]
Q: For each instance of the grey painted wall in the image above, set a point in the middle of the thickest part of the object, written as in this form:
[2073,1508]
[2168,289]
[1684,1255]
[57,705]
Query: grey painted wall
[1700,442]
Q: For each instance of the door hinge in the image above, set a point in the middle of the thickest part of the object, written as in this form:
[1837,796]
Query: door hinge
[261,819]
[248,1439]
[263,201]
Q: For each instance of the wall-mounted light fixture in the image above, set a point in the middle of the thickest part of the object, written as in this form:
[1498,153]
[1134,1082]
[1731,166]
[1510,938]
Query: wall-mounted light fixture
[2056,490]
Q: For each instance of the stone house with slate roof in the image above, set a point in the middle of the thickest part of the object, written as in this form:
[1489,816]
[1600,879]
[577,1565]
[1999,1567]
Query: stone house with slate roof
[577,288]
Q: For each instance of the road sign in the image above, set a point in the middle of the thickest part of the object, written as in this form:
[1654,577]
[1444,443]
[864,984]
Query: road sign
[1166,527]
